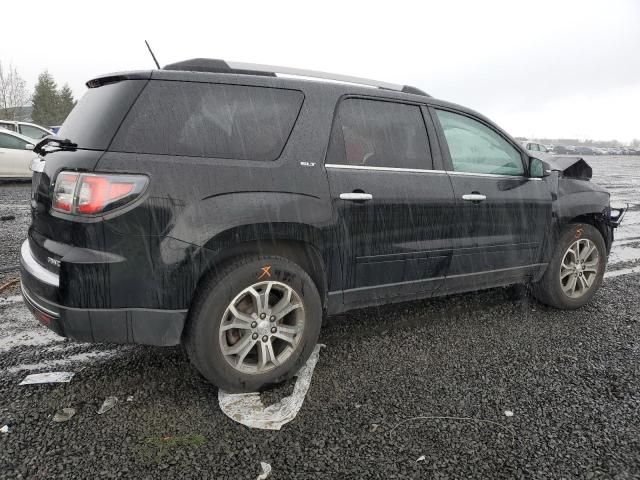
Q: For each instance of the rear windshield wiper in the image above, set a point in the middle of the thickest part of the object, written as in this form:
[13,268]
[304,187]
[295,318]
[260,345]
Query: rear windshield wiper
[61,143]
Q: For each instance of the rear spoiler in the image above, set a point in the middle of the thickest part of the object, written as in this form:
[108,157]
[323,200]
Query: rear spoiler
[118,77]
[571,167]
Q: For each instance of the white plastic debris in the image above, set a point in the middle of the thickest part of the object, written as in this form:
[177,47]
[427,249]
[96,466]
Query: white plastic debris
[130,398]
[421,458]
[266,471]
[107,405]
[4,429]
[508,413]
[64,415]
[248,409]
[49,377]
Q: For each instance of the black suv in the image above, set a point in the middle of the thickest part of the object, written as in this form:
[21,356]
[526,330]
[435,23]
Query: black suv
[229,209]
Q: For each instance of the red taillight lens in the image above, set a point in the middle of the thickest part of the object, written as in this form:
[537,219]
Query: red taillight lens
[92,194]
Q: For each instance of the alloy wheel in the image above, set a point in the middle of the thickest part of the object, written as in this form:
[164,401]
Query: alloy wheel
[579,268]
[261,327]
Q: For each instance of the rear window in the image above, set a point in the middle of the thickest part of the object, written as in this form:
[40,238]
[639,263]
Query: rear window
[210,120]
[94,120]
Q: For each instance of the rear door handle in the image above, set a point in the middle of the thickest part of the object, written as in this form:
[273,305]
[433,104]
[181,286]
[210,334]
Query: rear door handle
[356,197]
[474,197]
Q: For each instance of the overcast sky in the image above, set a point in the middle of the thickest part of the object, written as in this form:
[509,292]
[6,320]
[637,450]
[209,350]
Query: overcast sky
[557,68]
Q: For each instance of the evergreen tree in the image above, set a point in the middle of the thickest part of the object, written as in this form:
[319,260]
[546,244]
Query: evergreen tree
[65,103]
[45,101]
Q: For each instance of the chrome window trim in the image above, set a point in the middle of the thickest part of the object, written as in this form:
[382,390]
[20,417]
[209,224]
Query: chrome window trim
[32,266]
[496,175]
[382,169]
[420,170]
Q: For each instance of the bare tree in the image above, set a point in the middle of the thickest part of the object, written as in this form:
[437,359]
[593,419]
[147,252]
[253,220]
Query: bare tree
[13,93]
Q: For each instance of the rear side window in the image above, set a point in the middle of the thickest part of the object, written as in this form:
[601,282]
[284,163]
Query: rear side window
[210,120]
[94,120]
[476,148]
[375,133]
[11,142]
[32,132]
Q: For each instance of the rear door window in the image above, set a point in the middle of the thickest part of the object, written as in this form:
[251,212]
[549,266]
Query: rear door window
[374,133]
[11,142]
[210,120]
[476,148]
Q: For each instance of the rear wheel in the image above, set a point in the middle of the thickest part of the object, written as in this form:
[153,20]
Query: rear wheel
[576,269]
[254,324]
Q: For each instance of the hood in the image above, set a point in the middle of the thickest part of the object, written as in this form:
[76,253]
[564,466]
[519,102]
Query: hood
[570,167]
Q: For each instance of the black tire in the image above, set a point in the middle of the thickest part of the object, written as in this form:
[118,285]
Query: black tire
[549,289]
[202,337]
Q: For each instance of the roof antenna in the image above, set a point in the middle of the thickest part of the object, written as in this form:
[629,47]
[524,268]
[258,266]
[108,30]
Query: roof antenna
[152,55]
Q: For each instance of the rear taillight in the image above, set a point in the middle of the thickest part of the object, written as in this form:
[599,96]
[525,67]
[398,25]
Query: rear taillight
[94,193]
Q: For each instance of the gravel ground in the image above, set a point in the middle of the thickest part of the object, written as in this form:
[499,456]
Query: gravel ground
[14,202]
[571,379]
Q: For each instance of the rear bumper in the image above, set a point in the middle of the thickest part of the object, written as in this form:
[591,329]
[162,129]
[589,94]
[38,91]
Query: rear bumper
[111,325]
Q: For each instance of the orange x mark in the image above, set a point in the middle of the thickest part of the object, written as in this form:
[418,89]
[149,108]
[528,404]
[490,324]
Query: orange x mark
[266,272]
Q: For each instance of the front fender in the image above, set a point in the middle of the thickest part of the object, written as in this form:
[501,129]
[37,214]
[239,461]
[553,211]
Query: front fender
[577,198]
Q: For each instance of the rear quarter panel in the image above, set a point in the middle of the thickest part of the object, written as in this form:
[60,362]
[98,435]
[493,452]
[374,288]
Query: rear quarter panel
[194,207]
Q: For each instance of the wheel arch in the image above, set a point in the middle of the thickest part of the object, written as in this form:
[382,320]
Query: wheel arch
[299,243]
[597,220]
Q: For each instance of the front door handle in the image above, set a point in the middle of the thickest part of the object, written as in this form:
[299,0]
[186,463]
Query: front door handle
[474,197]
[356,196]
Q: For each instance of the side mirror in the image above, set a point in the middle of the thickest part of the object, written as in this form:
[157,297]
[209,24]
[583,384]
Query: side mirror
[29,146]
[537,168]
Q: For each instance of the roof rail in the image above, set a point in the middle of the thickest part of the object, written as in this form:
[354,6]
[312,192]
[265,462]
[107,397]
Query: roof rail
[222,66]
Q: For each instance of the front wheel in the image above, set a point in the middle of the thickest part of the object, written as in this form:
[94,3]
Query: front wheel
[576,269]
[254,324]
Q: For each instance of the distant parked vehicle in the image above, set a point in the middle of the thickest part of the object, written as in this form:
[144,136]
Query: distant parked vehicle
[30,130]
[537,149]
[16,153]
[563,150]
[584,151]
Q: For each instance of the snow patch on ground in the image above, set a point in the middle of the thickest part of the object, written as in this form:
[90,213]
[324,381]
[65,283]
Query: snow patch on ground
[19,328]
[622,253]
[4,301]
[66,362]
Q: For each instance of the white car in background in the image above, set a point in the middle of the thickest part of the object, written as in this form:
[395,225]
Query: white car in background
[16,153]
[537,149]
[30,130]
